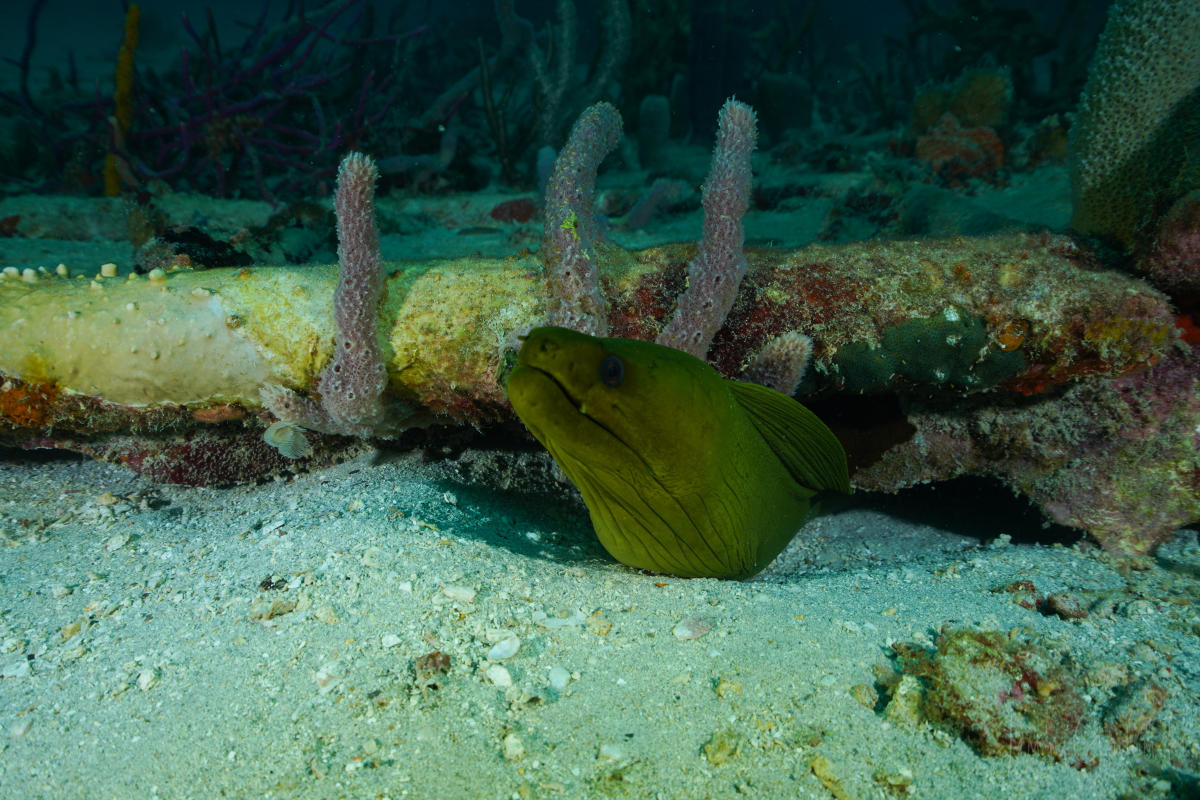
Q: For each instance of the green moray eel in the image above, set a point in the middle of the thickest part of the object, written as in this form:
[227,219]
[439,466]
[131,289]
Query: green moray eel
[683,472]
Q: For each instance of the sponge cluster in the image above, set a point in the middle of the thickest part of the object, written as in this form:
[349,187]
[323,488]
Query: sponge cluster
[1139,118]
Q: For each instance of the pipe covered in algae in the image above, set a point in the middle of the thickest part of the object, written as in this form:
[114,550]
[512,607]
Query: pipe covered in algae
[213,337]
[950,317]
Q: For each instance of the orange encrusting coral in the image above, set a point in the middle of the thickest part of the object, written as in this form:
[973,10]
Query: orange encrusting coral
[1013,335]
[1189,328]
[27,405]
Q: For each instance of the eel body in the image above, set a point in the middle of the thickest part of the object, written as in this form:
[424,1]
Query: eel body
[682,471]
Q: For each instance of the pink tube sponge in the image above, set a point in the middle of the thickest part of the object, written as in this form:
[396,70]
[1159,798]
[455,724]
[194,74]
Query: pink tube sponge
[568,248]
[352,385]
[717,270]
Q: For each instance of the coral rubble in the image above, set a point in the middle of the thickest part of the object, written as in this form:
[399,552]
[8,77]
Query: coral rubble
[1003,694]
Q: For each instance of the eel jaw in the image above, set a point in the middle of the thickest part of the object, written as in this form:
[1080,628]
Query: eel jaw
[556,418]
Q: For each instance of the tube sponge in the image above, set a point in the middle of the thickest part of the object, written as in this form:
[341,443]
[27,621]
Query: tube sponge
[716,272]
[568,248]
[351,387]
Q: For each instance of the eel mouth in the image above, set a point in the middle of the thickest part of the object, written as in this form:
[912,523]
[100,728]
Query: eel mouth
[562,389]
[552,401]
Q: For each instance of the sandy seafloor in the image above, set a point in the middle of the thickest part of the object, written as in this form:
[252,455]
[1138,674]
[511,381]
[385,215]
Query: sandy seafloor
[170,642]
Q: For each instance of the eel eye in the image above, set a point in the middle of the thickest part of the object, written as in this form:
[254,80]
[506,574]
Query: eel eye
[612,371]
